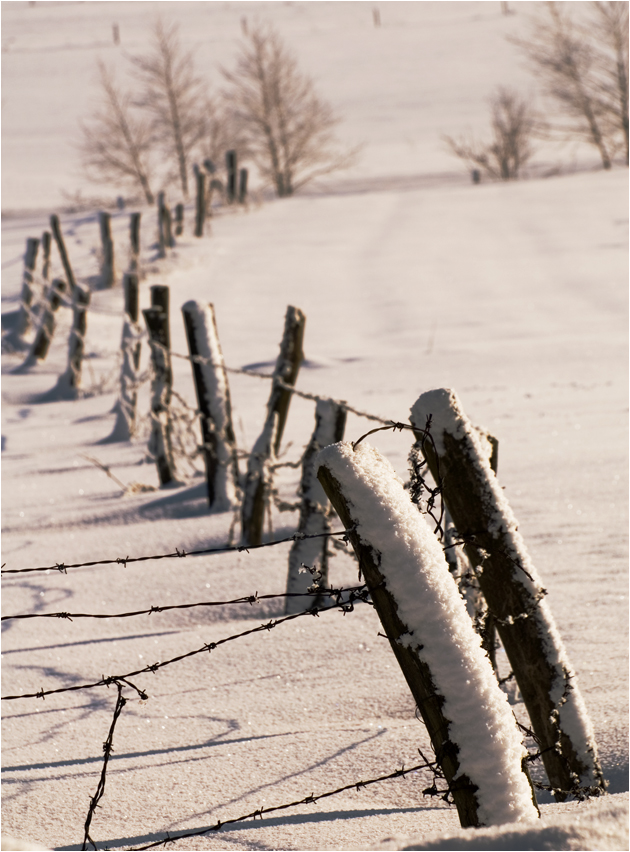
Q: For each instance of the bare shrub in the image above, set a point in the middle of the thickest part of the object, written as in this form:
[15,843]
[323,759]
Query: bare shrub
[513,122]
[287,127]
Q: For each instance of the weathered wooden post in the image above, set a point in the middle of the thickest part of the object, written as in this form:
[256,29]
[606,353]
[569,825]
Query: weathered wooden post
[330,422]
[232,175]
[55,227]
[513,592]
[472,729]
[160,444]
[179,219]
[26,297]
[107,244]
[43,338]
[165,235]
[69,383]
[46,244]
[134,239]
[215,409]
[127,402]
[200,206]
[242,186]
[258,480]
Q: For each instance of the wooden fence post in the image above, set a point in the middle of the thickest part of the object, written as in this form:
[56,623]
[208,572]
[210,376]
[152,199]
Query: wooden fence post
[330,422]
[127,402]
[232,175]
[134,239]
[165,235]
[69,383]
[46,243]
[43,338]
[55,227]
[513,592]
[200,206]
[242,186]
[472,729]
[179,219]
[160,444]
[258,481]
[26,299]
[107,244]
[215,409]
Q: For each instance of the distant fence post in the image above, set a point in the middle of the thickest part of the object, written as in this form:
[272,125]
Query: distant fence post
[165,236]
[330,422]
[472,729]
[107,244]
[257,483]
[215,410]
[242,186]
[55,227]
[127,402]
[160,444]
[232,175]
[200,205]
[179,219]
[26,297]
[69,383]
[134,239]
[43,338]
[514,593]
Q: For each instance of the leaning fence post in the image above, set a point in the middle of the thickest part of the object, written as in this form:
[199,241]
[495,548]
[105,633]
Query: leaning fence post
[127,402]
[134,239]
[330,422]
[26,298]
[200,208]
[55,227]
[69,383]
[258,482]
[472,729]
[43,338]
[213,400]
[107,266]
[513,592]
[160,444]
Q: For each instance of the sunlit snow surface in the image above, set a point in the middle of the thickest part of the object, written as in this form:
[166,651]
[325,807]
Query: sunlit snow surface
[410,278]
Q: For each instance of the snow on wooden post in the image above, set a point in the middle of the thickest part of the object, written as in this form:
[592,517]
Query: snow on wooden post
[232,175]
[107,244]
[258,481]
[43,338]
[26,298]
[215,409]
[127,402]
[179,219]
[514,594]
[160,445]
[55,227]
[330,422]
[472,729]
[200,206]
[69,383]
[134,239]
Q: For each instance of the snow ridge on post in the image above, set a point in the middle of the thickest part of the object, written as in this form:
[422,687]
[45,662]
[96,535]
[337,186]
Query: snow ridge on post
[26,298]
[213,399]
[330,422]
[514,594]
[471,726]
[127,402]
[69,382]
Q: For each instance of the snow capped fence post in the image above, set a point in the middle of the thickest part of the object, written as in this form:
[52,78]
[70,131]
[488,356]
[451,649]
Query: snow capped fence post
[127,402]
[156,318]
[69,383]
[134,239]
[43,338]
[215,409]
[55,227]
[514,594]
[26,298]
[200,203]
[330,422]
[472,729]
[107,265]
[258,481]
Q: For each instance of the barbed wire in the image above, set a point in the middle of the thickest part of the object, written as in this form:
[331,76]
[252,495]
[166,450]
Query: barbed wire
[250,599]
[62,567]
[345,606]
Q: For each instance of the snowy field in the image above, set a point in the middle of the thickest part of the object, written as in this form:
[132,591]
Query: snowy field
[411,278]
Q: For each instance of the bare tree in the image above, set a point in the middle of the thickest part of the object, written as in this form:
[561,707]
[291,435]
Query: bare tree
[174,96]
[116,140]
[513,122]
[287,126]
[583,67]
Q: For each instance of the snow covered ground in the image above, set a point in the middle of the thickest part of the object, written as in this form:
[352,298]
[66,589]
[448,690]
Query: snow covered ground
[410,278]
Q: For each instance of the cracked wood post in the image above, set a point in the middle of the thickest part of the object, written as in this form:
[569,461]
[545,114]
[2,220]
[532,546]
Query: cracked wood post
[134,240]
[330,422]
[127,402]
[513,592]
[200,204]
[55,227]
[160,445]
[472,729]
[26,299]
[43,338]
[258,480]
[107,244]
[213,400]
[69,383]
